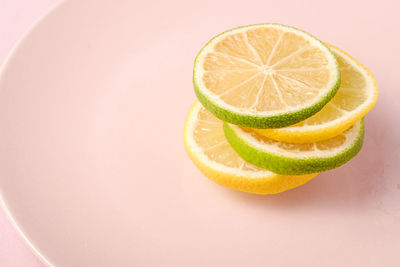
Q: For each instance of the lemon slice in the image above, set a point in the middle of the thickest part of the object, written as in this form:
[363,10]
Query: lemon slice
[265,75]
[295,159]
[206,145]
[356,96]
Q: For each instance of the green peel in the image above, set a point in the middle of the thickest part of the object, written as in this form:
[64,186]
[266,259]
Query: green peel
[288,165]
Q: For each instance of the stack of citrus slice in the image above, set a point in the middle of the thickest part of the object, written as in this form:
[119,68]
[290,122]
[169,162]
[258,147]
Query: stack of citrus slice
[276,107]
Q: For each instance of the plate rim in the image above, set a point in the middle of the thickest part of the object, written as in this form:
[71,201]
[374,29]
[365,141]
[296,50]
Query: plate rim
[9,57]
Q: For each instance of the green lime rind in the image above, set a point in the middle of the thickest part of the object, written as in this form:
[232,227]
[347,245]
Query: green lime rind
[263,122]
[291,166]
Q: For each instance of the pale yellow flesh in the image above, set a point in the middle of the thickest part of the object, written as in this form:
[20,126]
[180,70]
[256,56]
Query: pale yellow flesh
[350,95]
[206,145]
[356,96]
[209,135]
[266,69]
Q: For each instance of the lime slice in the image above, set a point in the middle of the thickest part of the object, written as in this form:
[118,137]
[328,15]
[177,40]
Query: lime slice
[206,145]
[356,96]
[294,159]
[265,75]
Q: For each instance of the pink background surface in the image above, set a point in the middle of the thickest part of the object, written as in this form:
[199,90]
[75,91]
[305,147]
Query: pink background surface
[367,31]
[15,17]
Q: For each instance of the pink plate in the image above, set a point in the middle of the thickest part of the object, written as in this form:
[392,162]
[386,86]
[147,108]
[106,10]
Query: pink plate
[93,170]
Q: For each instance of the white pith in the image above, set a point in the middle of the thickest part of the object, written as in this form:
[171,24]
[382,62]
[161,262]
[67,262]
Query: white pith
[351,136]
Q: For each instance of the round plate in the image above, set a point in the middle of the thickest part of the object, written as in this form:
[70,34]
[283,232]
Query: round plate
[93,170]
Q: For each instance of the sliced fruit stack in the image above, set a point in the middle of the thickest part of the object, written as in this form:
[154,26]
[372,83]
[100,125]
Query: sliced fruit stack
[276,107]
